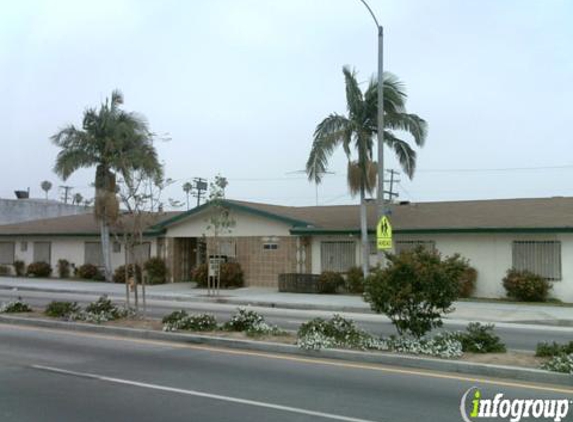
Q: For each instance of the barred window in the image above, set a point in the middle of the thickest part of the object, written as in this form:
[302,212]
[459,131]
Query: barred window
[42,252]
[7,252]
[409,245]
[337,256]
[93,254]
[540,257]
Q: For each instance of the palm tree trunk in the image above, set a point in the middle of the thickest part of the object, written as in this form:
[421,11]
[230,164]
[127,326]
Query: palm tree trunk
[364,233]
[105,247]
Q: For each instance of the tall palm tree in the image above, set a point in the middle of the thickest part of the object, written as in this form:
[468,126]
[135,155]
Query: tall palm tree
[357,130]
[115,142]
[46,186]
[187,189]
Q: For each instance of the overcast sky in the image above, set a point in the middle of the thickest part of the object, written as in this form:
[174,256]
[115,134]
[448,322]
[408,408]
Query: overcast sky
[239,86]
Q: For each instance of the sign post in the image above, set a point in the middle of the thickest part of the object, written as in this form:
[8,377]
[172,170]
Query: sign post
[384,234]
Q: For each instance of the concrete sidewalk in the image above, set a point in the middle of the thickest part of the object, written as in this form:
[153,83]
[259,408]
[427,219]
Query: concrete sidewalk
[257,296]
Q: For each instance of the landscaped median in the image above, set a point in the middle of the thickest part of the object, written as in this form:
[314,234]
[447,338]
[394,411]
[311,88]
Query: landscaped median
[470,352]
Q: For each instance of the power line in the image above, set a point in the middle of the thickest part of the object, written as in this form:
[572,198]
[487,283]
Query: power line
[478,170]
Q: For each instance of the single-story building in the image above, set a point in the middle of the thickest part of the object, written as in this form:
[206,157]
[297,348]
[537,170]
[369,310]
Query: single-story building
[267,240]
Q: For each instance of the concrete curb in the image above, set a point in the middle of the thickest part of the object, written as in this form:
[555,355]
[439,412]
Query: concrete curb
[432,364]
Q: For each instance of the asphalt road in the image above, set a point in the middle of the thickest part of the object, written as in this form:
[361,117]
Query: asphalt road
[515,336]
[50,375]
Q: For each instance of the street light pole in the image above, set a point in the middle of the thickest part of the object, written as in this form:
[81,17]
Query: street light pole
[381,206]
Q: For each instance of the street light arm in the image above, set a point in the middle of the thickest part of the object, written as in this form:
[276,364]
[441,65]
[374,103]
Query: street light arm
[371,14]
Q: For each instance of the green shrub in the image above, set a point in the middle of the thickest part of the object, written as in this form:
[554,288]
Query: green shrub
[243,320]
[355,280]
[251,323]
[200,274]
[5,270]
[175,316]
[61,309]
[231,275]
[104,306]
[39,269]
[545,349]
[335,332]
[329,281]
[15,306]
[525,286]
[467,275]
[89,272]
[180,320]
[156,270]
[19,268]
[414,290]
[63,268]
[119,273]
[480,338]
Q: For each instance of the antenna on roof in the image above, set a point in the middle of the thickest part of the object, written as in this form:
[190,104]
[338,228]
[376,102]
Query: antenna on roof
[326,172]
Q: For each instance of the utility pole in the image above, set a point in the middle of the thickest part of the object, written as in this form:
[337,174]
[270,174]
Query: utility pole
[199,187]
[381,206]
[67,190]
[390,192]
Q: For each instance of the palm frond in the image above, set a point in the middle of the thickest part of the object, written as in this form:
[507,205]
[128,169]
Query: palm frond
[406,155]
[328,134]
[411,123]
[354,98]
[71,159]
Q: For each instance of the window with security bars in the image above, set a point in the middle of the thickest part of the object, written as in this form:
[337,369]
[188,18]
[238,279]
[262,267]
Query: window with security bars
[540,257]
[42,252]
[409,245]
[7,252]
[93,254]
[337,256]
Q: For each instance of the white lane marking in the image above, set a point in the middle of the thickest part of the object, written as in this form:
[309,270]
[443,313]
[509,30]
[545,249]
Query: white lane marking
[200,394]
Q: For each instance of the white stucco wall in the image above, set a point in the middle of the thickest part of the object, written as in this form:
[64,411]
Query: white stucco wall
[490,254]
[245,225]
[70,248]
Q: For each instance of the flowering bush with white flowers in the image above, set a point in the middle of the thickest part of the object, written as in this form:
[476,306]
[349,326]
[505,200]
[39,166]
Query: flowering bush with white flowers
[251,323]
[443,345]
[243,320]
[336,332]
[561,363]
[181,320]
[339,332]
[102,310]
[14,306]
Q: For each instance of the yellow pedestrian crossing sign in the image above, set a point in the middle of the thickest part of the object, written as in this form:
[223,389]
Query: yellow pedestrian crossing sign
[384,234]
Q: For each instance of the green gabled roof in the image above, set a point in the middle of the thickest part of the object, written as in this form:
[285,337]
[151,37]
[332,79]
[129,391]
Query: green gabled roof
[260,210]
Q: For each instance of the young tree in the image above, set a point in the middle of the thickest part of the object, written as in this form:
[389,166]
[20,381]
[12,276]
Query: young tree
[358,129]
[46,186]
[113,141]
[140,195]
[415,290]
[220,223]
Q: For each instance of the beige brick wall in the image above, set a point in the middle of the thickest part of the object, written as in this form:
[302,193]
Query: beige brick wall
[262,266]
